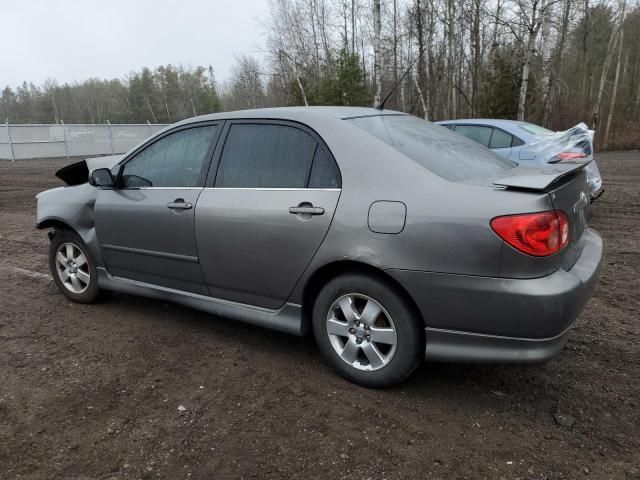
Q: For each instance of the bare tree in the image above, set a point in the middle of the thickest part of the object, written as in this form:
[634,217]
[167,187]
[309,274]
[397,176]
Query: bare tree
[531,13]
[377,68]
[546,64]
[556,63]
[461,58]
[615,34]
[614,94]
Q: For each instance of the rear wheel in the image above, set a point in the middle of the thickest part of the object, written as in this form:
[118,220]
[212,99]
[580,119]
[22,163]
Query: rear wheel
[367,330]
[73,268]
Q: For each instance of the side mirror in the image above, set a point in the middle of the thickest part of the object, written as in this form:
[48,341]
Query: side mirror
[101,177]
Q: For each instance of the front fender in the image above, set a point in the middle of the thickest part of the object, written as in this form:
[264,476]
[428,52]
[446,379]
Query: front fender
[71,207]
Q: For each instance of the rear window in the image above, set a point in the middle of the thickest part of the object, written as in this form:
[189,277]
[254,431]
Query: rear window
[445,153]
[536,130]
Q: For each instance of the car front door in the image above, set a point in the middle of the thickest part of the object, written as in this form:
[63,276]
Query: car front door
[265,212]
[145,225]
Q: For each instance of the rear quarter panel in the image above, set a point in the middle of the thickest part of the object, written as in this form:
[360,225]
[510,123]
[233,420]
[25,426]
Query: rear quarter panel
[447,225]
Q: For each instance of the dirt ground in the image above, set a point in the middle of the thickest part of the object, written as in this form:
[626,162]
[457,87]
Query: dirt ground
[94,391]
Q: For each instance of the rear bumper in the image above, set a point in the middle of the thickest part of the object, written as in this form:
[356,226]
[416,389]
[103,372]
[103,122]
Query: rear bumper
[451,346]
[500,319]
[596,195]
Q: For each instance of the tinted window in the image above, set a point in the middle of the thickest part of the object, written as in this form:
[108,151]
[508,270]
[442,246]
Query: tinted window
[324,172]
[517,142]
[173,161]
[273,156]
[482,135]
[443,152]
[500,139]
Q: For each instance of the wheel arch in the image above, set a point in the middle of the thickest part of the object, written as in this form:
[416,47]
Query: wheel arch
[54,222]
[87,235]
[327,272]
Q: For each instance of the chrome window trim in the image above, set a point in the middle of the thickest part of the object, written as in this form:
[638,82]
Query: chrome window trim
[161,188]
[276,189]
[236,188]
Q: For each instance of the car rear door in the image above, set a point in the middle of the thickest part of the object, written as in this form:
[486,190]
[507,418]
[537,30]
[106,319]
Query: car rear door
[265,211]
[491,137]
[477,133]
[145,226]
[501,142]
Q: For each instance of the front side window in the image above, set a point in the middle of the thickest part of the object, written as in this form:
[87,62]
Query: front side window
[265,156]
[176,160]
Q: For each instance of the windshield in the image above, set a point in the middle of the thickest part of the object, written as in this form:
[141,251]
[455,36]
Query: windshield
[441,151]
[536,130]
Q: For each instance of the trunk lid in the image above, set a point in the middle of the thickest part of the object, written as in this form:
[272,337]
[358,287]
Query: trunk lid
[572,197]
[539,178]
[566,184]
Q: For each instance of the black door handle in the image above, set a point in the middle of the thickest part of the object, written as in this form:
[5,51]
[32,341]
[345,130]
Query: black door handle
[306,210]
[179,204]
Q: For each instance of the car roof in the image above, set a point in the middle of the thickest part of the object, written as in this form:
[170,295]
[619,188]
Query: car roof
[293,113]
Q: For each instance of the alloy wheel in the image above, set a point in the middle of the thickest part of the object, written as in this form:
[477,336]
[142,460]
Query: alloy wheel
[361,332]
[72,267]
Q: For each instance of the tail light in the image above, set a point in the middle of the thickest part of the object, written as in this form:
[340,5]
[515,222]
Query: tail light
[570,156]
[539,234]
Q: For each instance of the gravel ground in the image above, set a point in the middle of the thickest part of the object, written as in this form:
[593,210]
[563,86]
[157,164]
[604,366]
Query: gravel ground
[137,388]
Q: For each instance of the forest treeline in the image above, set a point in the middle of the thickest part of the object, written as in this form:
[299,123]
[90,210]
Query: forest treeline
[551,62]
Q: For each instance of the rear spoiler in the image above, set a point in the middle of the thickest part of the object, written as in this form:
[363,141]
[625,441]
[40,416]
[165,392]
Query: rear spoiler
[539,177]
[78,173]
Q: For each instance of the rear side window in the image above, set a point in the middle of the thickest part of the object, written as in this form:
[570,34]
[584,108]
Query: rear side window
[176,160]
[265,155]
[517,142]
[482,135]
[324,172]
[445,153]
[500,139]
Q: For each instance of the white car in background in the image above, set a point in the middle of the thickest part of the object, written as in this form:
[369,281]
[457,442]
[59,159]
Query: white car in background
[526,143]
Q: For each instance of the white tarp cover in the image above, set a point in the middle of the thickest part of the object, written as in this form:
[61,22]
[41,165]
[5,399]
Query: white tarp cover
[577,140]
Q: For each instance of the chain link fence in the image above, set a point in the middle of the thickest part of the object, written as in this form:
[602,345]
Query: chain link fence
[60,140]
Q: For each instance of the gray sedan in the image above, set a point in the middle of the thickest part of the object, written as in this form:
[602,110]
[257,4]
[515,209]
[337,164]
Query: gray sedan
[389,237]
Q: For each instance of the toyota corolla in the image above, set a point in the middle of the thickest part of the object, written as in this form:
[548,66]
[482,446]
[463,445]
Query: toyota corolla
[390,238]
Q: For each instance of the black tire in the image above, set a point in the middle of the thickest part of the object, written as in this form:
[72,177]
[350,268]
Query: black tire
[409,328]
[88,292]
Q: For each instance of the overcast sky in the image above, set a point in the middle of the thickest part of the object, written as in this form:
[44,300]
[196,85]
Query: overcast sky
[69,40]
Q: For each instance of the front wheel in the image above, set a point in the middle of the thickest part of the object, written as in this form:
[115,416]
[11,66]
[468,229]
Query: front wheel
[73,268]
[367,330]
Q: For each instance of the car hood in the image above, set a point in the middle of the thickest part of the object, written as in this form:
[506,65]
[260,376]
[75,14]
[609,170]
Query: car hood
[78,172]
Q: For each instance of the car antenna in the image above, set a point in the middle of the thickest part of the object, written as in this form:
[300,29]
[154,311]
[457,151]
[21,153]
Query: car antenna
[395,85]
